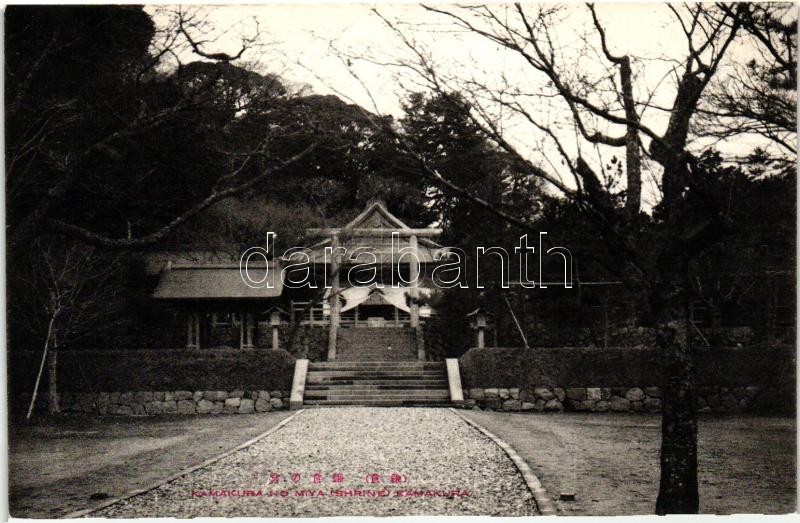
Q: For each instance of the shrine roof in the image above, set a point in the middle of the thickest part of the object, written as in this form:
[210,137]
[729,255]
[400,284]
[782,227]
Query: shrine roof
[378,218]
[216,282]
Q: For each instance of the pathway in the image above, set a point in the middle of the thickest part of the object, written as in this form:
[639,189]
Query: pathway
[440,465]
[61,464]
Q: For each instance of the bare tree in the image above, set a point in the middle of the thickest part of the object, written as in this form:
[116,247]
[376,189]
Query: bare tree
[603,110]
[43,169]
[66,293]
[759,96]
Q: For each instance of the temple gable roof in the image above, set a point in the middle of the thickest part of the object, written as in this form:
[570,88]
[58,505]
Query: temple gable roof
[376,216]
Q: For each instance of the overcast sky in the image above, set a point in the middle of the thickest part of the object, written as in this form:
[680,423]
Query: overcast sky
[299,38]
[302,34]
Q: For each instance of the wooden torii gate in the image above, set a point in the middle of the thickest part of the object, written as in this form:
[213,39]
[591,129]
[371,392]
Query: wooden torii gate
[375,222]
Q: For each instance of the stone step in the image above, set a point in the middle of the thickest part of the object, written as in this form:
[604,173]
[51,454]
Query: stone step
[378,403]
[380,369]
[365,382]
[377,374]
[367,345]
[377,387]
[371,381]
[378,356]
[362,337]
[388,373]
[372,346]
[356,333]
[383,385]
[413,364]
[369,358]
[387,336]
[374,342]
[382,337]
[376,366]
[367,374]
[377,336]
[359,333]
[378,394]
[374,380]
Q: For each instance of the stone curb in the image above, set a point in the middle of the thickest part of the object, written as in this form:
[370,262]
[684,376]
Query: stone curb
[85,512]
[544,504]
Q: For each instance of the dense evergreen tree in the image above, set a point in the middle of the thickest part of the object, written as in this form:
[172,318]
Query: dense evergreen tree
[440,131]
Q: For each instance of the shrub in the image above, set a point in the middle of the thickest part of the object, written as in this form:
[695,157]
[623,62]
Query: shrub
[622,367]
[142,370]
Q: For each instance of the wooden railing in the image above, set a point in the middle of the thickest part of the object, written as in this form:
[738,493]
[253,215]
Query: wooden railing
[304,314]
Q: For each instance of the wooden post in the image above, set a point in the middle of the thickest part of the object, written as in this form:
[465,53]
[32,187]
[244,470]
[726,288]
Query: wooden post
[275,321]
[495,329]
[190,331]
[193,331]
[249,330]
[241,330]
[516,322]
[333,329]
[196,330]
[413,274]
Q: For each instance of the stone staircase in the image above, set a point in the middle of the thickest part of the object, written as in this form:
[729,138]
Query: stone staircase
[377,383]
[376,344]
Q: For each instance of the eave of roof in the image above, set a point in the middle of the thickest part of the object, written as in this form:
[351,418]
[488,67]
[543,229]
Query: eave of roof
[217,282]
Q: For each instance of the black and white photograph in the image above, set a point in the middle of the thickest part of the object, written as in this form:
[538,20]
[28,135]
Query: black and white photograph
[395,259]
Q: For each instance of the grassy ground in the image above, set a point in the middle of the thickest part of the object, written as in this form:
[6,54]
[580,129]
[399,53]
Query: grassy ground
[58,465]
[610,462]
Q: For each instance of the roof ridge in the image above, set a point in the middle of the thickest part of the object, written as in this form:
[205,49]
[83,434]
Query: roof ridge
[380,206]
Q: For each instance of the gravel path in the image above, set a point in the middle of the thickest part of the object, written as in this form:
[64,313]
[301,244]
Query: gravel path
[441,466]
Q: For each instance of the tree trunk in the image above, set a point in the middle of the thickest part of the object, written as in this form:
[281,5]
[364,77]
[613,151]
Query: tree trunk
[52,387]
[633,158]
[678,488]
[41,365]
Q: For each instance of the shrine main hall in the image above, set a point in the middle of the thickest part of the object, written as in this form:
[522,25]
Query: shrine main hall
[379,320]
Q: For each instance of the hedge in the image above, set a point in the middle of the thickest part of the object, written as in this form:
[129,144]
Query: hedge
[622,367]
[158,370]
[309,341]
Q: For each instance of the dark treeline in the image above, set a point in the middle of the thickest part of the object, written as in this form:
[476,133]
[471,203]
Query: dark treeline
[110,151]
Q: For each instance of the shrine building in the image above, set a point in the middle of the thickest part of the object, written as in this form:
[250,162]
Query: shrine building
[380,320]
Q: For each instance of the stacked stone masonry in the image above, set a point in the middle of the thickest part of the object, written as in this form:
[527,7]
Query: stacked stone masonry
[151,403]
[604,399]
[538,399]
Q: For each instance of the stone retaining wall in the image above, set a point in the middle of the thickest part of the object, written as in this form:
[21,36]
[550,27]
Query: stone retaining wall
[151,403]
[604,399]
